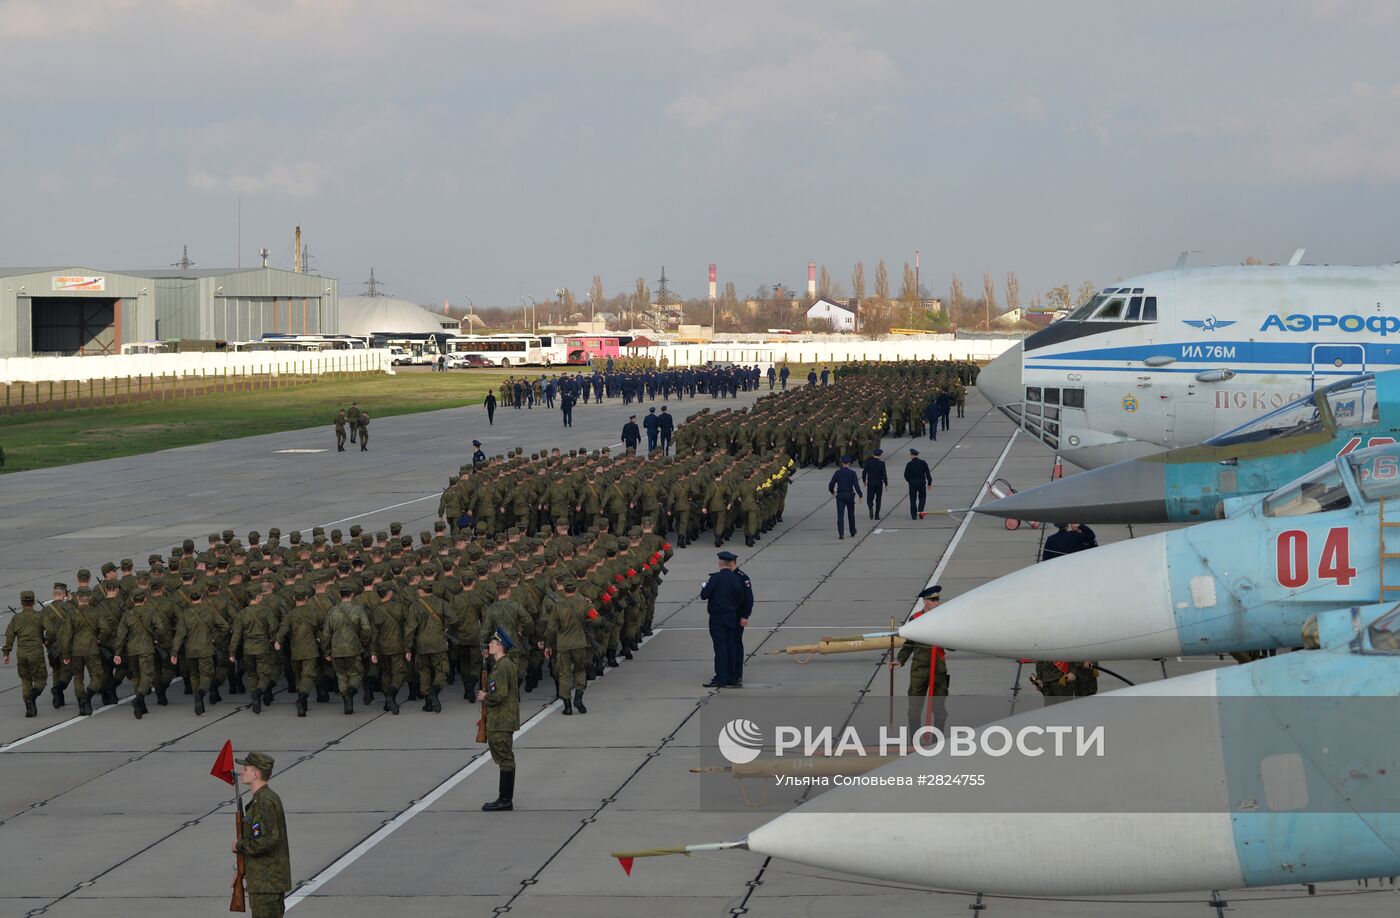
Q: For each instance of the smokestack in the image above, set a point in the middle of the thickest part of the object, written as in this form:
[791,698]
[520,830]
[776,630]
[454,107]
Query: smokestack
[812,279]
[712,282]
[296,256]
[444,307]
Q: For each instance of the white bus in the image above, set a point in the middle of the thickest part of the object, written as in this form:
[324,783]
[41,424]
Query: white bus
[507,350]
[275,342]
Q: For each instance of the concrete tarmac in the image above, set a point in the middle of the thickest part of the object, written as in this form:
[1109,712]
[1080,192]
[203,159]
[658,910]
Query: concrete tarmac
[109,815]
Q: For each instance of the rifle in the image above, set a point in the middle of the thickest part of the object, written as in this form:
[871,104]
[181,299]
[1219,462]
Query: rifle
[236,903]
[481,724]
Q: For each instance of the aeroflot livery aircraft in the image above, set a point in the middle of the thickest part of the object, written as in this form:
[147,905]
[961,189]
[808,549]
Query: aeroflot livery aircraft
[1171,358]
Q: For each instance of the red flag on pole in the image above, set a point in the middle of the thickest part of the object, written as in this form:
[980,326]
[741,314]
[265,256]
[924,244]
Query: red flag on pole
[626,863]
[223,765]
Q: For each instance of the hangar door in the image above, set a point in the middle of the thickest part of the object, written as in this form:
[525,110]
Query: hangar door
[74,325]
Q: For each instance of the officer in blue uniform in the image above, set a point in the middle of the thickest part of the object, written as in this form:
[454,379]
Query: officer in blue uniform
[478,455]
[875,477]
[728,600]
[845,484]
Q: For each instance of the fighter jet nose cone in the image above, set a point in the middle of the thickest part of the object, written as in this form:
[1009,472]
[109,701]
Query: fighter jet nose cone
[1112,602]
[1125,492]
[1000,380]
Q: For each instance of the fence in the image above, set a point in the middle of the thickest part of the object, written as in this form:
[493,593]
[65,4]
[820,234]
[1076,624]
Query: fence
[65,394]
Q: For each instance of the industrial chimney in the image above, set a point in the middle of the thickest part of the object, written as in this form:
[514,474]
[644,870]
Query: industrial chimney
[296,252]
[811,280]
[712,282]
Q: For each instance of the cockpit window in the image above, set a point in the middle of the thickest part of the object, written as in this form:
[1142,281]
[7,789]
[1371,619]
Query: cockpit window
[1353,402]
[1318,491]
[1377,471]
[1385,632]
[1300,417]
[1117,304]
[1111,311]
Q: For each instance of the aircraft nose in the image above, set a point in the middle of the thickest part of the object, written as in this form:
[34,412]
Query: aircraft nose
[1000,380]
[1111,602]
[1125,492]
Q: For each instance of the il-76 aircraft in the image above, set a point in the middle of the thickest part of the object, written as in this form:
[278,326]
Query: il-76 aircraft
[1175,357]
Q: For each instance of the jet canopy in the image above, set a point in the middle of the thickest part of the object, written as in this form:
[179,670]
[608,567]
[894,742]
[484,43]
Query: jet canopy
[1370,474]
[1343,405]
[1385,632]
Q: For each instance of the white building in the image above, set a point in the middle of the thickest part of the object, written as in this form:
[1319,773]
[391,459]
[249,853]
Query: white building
[841,318]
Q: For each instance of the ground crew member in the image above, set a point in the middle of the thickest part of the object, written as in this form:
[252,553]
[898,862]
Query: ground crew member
[846,486]
[267,862]
[926,697]
[25,632]
[340,422]
[502,718]
[918,476]
[875,476]
[345,637]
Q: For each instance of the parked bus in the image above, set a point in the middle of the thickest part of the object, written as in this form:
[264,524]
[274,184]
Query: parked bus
[283,342]
[507,350]
[419,347]
[583,349]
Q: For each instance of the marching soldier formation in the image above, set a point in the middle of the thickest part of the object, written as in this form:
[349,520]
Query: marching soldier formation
[354,421]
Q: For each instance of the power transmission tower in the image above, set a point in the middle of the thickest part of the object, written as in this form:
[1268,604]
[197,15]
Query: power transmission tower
[663,300]
[372,286]
[306,260]
[184,264]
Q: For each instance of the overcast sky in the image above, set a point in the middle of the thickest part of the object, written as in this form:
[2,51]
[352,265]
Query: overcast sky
[492,149]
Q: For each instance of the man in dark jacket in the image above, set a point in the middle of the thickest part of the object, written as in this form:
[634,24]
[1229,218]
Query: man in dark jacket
[631,435]
[665,428]
[846,486]
[875,476]
[917,474]
[651,423]
[728,597]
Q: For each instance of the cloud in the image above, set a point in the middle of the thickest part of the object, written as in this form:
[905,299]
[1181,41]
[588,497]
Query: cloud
[1346,136]
[1025,103]
[806,85]
[301,179]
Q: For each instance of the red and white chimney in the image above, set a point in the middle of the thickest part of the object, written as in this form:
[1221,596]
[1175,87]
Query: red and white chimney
[812,280]
[713,277]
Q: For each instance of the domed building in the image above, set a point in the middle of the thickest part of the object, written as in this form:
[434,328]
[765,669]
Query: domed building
[362,316]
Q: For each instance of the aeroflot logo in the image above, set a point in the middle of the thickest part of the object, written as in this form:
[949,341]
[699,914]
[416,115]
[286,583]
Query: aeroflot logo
[1319,321]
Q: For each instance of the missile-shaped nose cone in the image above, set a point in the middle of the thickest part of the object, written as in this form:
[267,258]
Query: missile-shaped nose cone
[1000,381]
[1125,492]
[1111,602]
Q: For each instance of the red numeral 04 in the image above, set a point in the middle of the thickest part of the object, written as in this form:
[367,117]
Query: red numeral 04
[1293,559]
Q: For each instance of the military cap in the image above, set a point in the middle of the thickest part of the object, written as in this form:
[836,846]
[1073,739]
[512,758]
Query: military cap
[84,574]
[499,637]
[111,585]
[138,593]
[187,545]
[366,540]
[195,592]
[302,592]
[355,531]
[255,536]
[108,567]
[381,536]
[228,535]
[930,592]
[396,527]
[255,570]
[26,597]
[295,537]
[213,537]
[913,452]
[60,586]
[127,564]
[727,556]
[274,533]
[337,534]
[319,538]
[318,530]
[476,443]
[878,452]
[154,559]
[259,760]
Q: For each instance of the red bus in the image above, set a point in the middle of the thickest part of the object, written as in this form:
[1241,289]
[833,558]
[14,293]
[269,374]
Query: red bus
[583,349]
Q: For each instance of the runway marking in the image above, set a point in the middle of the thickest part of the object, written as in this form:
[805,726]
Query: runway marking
[10,747]
[300,451]
[399,821]
[382,509]
[966,521]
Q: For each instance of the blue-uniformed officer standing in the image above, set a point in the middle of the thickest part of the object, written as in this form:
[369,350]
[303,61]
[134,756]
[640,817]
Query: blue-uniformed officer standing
[478,455]
[874,476]
[845,484]
[650,423]
[729,599]
[665,428]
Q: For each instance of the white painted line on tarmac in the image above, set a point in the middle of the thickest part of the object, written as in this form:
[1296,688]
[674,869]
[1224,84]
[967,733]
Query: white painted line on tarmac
[382,509]
[389,828]
[947,558]
[10,747]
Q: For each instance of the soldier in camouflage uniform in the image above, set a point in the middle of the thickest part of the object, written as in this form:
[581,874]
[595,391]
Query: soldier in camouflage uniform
[25,633]
[502,719]
[345,638]
[267,865]
[926,695]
